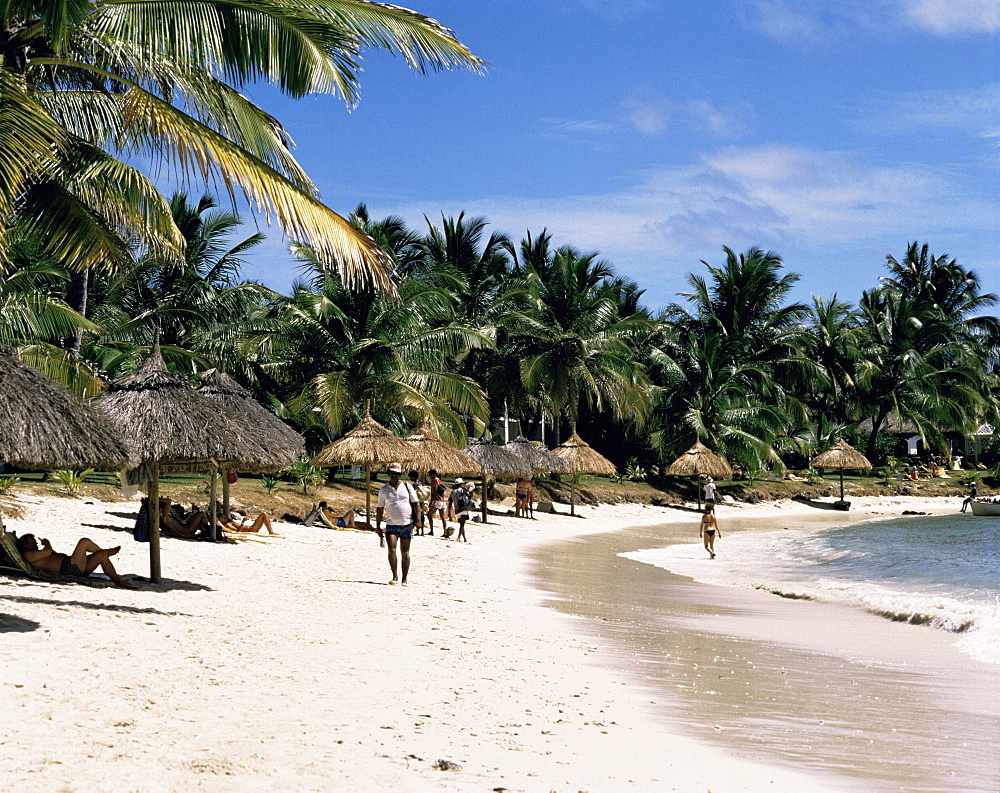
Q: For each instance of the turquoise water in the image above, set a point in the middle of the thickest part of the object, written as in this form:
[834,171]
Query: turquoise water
[941,571]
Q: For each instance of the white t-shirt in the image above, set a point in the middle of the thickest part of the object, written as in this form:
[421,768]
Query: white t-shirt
[710,491]
[396,503]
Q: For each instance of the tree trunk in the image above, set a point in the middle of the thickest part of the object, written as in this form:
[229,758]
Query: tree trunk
[76,299]
[876,426]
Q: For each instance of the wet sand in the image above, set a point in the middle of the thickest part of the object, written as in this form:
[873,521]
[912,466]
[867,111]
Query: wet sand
[874,705]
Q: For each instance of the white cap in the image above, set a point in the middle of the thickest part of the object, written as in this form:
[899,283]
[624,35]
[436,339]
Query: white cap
[459,481]
[395,468]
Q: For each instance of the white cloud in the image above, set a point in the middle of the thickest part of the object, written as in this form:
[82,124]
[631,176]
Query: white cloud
[810,22]
[652,115]
[951,17]
[649,115]
[974,111]
[779,197]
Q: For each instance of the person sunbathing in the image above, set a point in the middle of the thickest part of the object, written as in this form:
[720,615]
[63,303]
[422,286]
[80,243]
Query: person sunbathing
[346,521]
[263,520]
[86,558]
[193,525]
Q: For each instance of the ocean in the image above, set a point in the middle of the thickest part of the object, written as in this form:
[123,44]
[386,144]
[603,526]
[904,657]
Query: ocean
[941,571]
[876,668]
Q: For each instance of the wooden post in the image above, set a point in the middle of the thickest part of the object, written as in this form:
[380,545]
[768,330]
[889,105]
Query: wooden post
[572,495]
[153,507]
[485,505]
[841,484]
[213,513]
[368,497]
[225,490]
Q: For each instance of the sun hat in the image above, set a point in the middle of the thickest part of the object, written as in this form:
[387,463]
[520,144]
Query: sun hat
[470,485]
[459,481]
[395,468]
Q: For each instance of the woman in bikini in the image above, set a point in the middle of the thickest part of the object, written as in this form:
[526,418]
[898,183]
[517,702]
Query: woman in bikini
[709,529]
[86,558]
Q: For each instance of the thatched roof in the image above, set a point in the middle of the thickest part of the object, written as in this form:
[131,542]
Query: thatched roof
[534,454]
[841,455]
[369,444]
[432,452]
[697,460]
[580,458]
[165,420]
[284,444]
[44,425]
[495,460]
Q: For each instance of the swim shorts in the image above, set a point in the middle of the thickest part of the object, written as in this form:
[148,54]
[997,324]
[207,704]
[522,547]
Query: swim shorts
[404,532]
[68,568]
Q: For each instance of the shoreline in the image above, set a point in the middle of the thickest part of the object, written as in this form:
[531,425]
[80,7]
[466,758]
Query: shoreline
[878,704]
[288,664]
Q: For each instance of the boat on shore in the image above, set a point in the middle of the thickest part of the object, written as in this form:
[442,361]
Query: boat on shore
[985,508]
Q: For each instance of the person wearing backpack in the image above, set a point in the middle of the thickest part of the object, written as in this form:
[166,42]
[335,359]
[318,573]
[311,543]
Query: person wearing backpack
[462,504]
[466,509]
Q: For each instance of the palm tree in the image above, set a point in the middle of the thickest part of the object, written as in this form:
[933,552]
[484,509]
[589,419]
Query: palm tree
[703,392]
[34,318]
[832,342]
[196,306]
[474,271]
[576,345]
[947,297]
[341,350]
[903,373]
[87,84]
[731,370]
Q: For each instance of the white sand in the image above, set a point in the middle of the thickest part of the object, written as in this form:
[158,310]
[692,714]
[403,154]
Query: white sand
[290,665]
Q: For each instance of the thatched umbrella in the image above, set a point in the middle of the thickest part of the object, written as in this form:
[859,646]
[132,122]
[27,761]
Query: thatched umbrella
[167,422]
[284,444]
[432,452]
[368,444]
[537,456]
[841,455]
[580,458]
[43,425]
[494,460]
[700,461]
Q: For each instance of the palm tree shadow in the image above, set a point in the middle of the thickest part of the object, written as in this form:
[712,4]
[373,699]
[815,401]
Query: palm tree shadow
[106,526]
[11,624]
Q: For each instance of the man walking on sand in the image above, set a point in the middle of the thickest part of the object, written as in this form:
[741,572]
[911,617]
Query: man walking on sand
[397,503]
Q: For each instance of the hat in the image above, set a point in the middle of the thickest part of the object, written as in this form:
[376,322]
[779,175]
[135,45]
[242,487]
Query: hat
[395,468]
[459,481]
[470,485]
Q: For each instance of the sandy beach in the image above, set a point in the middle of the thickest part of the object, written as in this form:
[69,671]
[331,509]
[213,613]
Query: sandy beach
[289,664]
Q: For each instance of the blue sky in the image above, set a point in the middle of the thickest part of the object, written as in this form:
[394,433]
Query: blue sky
[656,131]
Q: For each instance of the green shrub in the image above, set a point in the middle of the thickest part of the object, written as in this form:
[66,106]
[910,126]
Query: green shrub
[7,483]
[73,479]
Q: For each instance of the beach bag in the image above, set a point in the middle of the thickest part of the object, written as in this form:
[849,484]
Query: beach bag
[462,501]
[141,531]
[233,478]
